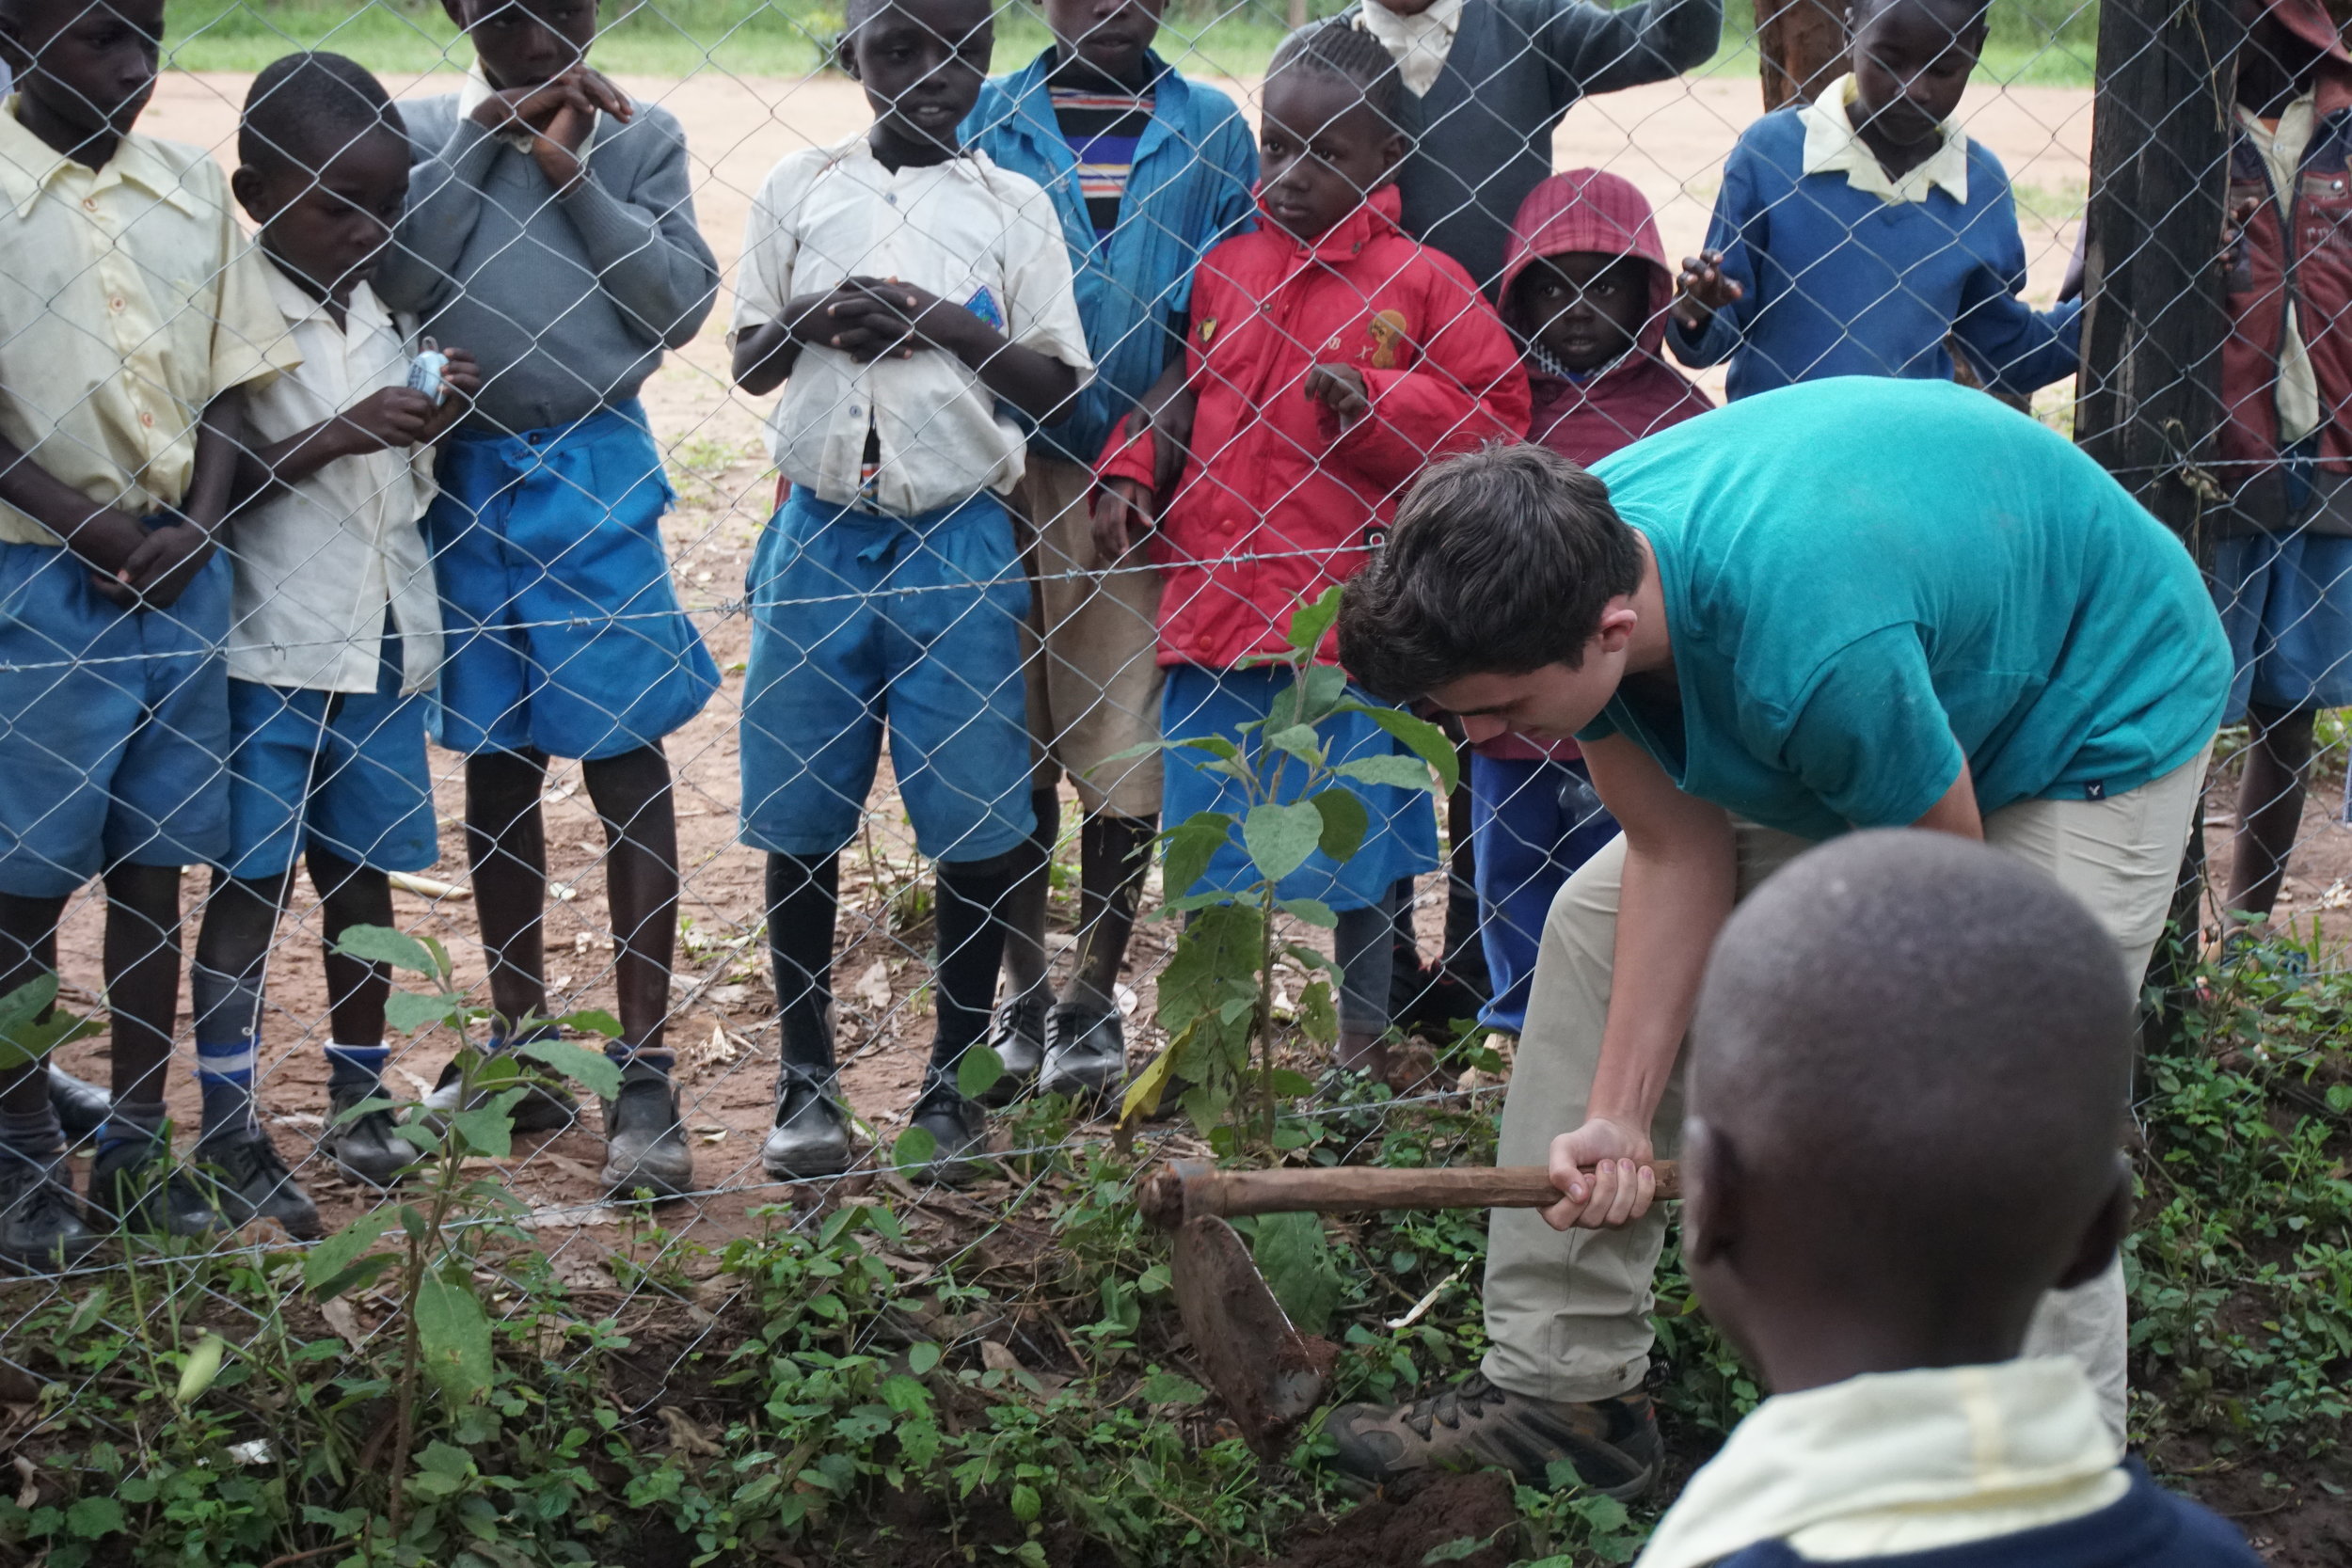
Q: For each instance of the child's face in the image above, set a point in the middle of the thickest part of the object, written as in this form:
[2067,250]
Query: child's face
[1585,308]
[921,63]
[1912,59]
[1108,35]
[1321,149]
[524,43]
[91,67]
[329,226]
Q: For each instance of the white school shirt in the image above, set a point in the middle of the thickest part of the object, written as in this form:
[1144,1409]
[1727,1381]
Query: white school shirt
[1418,43]
[972,234]
[1832,146]
[318,564]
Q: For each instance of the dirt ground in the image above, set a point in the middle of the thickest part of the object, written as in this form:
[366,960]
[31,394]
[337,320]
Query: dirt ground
[1670,138]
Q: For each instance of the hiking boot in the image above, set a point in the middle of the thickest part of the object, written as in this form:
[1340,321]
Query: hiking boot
[82,1108]
[248,1182]
[958,1127]
[133,1183]
[1017,1035]
[1612,1444]
[41,1220]
[543,1108]
[811,1136]
[1089,1052]
[644,1141]
[366,1148]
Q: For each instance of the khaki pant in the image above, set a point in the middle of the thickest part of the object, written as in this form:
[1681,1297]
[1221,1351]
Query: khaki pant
[1567,1314]
[1094,683]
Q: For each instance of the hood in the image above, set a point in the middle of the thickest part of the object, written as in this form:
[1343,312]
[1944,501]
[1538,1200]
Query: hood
[2309,20]
[1589,209]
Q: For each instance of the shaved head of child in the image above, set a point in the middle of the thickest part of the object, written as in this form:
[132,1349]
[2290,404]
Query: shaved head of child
[1912,61]
[1908,1066]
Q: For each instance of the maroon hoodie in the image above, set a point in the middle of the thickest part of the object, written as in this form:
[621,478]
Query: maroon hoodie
[1588,210]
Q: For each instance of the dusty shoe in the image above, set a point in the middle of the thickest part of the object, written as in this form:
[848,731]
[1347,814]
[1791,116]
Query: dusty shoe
[1089,1052]
[247,1181]
[82,1108]
[133,1184]
[644,1141]
[544,1108]
[365,1148]
[958,1127]
[1612,1443]
[40,1219]
[811,1136]
[1017,1035]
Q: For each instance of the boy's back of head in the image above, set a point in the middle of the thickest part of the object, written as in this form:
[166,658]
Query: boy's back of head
[1908,1066]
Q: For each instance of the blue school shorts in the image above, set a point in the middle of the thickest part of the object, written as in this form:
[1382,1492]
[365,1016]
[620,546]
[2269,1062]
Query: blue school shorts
[1401,841]
[859,621]
[2286,602]
[114,724]
[343,771]
[1533,822]
[564,635]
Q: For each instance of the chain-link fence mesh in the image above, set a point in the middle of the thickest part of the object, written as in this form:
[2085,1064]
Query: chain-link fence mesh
[601,559]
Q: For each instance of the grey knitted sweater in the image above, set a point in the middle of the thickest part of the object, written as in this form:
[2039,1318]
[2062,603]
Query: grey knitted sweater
[568,301]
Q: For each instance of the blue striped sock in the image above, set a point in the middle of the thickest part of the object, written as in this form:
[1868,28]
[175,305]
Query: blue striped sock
[223,1074]
[357,1067]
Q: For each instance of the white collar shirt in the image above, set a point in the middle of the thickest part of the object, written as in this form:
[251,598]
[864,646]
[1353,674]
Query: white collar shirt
[1418,43]
[318,563]
[1832,146]
[130,298]
[974,235]
[1891,1463]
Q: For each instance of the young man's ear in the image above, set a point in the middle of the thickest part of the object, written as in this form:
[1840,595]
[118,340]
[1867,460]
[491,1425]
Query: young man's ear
[247,185]
[2102,1235]
[845,58]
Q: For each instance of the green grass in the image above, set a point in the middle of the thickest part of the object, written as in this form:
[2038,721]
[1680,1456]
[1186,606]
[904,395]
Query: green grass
[2033,41]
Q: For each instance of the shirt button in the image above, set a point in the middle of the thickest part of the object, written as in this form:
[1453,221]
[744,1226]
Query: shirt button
[89,204]
[147,418]
[117,303]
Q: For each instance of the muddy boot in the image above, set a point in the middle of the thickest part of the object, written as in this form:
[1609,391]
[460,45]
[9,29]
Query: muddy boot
[811,1136]
[644,1140]
[1612,1444]
[40,1219]
[1088,1053]
[1017,1035]
[247,1181]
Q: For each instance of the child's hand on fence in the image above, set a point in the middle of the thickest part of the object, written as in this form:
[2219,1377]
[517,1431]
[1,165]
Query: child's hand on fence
[462,377]
[1123,516]
[1339,388]
[1702,290]
[165,562]
[2233,224]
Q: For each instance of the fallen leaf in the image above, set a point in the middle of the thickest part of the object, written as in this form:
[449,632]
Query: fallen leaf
[998,1357]
[873,987]
[344,1322]
[684,1436]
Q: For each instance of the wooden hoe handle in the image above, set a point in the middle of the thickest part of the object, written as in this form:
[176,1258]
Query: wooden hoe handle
[1188,1189]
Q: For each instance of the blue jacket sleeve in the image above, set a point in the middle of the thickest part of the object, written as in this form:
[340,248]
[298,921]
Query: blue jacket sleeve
[1599,50]
[2013,347]
[1739,230]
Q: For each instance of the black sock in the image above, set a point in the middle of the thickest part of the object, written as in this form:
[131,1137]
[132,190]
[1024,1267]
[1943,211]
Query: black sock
[34,1134]
[973,895]
[804,900]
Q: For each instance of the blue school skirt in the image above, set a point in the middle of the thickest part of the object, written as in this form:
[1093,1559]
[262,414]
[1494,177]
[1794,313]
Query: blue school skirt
[1402,840]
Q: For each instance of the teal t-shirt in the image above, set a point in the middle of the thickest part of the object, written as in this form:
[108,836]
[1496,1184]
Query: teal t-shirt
[1867,579]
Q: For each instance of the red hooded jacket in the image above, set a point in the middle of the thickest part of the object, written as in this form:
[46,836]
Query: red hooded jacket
[1277,501]
[1586,210]
[2307,258]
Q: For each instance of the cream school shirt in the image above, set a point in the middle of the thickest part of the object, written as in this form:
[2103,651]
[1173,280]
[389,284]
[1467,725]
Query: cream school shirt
[130,298]
[318,563]
[974,235]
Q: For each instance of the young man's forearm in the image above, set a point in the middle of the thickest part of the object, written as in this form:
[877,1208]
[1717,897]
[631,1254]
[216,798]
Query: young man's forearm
[1672,901]
[219,442]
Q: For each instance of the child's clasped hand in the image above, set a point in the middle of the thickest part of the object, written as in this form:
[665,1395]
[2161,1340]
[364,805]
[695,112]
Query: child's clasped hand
[1339,388]
[403,417]
[1701,290]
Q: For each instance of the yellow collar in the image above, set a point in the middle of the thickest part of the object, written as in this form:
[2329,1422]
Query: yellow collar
[1893,1463]
[29,166]
[1831,147]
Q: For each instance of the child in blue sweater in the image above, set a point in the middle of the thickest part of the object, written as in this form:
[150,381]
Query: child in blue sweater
[1857,234]
[1908,1066]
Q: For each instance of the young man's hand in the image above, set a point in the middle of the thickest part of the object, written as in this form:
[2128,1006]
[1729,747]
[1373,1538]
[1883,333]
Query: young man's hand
[1702,290]
[165,562]
[1339,388]
[1601,1172]
[1123,516]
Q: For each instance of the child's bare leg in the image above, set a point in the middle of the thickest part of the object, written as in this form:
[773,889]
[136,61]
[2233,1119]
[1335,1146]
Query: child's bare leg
[2270,805]
[631,793]
[352,895]
[507,843]
[233,944]
[142,967]
[1090,1042]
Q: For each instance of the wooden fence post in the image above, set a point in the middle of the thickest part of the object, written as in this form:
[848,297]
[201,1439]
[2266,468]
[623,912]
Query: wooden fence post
[1801,45]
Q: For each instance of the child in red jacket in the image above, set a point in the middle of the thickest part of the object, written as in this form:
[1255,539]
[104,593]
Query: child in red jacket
[1329,358]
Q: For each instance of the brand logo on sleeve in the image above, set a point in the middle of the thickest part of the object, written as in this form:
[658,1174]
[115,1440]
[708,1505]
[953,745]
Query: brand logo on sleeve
[983,305]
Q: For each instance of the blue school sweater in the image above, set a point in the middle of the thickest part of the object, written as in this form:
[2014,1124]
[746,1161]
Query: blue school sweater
[1841,282]
[2146,1527]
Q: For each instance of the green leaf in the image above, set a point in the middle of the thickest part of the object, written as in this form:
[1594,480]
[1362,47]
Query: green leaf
[1327,687]
[381,945]
[1167,1388]
[27,1002]
[1300,741]
[978,1072]
[1315,911]
[1143,1095]
[454,1337]
[407,1013]
[1280,838]
[922,1357]
[198,1372]
[591,1021]
[1310,622]
[93,1516]
[1224,750]
[1295,1255]
[25,1036]
[1025,1504]
[1398,771]
[1318,1015]
[337,1253]
[1420,736]
[488,1129]
[592,1070]
[1451,1551]
[1344,822]
[1190,846]
[916,1146]
[1289,1084]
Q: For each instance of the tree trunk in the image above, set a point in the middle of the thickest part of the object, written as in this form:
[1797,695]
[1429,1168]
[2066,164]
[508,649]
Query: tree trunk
[1803,47]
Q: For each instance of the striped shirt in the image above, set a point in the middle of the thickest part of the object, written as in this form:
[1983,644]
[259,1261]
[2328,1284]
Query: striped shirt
[1103,129]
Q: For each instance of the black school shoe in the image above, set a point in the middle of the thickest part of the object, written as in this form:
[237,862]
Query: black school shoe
[1087,1057]
[1017,1034]
[247,1181]
[135,1185]
[40,1219]
[82,1107]
[366,1148]
[644,1140]
[959,1130]
[543,1108]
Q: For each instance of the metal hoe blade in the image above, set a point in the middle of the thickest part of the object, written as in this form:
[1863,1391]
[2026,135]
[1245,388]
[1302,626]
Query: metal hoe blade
[1270,1376]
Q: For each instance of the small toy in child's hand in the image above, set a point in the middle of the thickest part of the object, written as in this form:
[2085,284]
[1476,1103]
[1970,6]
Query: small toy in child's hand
[424,372]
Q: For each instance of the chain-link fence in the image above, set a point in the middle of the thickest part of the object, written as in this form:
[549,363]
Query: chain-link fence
[750,471]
